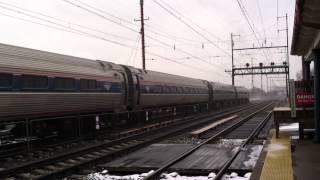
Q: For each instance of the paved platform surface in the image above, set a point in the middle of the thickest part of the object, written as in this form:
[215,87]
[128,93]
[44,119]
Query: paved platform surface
[306,160]
[206,159]
[278,162]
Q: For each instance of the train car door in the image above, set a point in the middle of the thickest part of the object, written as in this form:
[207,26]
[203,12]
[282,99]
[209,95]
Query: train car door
[137,90]
[130,84]
[210,92]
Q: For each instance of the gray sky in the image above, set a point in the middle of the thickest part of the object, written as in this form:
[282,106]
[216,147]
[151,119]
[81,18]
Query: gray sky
[114,21]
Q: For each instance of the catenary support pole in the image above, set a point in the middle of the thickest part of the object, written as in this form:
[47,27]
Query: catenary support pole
[232,60]
[142,36]
[317,94]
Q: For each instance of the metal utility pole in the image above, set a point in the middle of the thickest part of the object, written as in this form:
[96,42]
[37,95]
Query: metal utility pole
[261,86]
[142,36]
[232,60]
[287,58]
[267,87]
[252,81]
[287,30]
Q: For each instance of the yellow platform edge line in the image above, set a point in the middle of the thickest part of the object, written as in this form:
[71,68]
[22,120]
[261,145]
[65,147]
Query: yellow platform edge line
[278,162]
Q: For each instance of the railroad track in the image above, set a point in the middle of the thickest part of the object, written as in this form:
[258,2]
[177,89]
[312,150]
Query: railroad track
[7,152]
[245,122]
[57,163]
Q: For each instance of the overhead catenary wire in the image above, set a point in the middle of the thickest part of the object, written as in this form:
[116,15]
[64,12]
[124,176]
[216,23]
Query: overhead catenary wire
[134,51]
[122,21]
[192,22]
[131,29]
[247,18]
[68,22]
[163,6]
[262,23]
[192,28]
[66,27]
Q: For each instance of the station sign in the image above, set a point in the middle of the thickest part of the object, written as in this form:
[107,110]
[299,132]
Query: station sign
[304,99]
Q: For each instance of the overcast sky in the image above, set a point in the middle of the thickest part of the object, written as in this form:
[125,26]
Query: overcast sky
[106,30]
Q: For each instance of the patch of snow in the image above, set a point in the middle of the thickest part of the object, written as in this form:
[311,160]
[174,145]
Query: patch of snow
[104,172]
[176,176]
[289,127]
[234,176]
[105,176]
[230,142]
[276,147]
[247,175]
[254,155]
[173,174]
[165,176]
[212,175]
[272,148]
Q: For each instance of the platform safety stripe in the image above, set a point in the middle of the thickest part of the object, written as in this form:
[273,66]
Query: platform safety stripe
[278,162]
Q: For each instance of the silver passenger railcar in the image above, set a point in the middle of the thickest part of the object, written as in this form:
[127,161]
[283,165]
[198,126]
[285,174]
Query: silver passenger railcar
[37,83]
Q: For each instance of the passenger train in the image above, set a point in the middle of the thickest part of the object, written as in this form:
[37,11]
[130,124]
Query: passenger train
[35,84]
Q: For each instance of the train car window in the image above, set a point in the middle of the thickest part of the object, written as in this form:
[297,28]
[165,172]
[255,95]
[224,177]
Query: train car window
[166,89]
[173,89]
[115,87]
[145,89]
[5,80]
[157,89]
[186,90]
[106,86]
[111,86]
[34,82]
[195,90]
[64,83]
[151,89]
[87,84]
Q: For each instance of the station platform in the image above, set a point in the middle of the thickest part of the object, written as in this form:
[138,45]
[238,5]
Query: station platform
[282,162]
[306,160]
[278,161]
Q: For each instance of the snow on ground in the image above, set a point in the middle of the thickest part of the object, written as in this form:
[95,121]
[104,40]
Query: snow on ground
[272,148]
[231,142]
[165,176]
[254,155]
[104,175]
[289,127]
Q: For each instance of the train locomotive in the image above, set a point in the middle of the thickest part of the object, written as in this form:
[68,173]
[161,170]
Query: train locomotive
[36,84]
